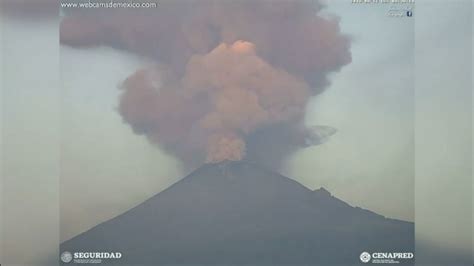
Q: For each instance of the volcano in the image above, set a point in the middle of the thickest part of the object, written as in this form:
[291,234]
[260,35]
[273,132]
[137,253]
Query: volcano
[238,213]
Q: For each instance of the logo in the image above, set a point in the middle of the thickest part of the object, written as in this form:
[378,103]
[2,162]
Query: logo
[385,257]
[66,257]
[365,257]
[89,257]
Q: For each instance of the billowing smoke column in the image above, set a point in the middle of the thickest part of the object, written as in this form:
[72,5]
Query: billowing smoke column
[232,78]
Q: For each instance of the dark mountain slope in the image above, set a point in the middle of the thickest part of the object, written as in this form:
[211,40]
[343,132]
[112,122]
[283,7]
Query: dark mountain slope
[239,213]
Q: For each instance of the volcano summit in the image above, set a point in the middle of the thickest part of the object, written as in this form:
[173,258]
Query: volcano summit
[236,213]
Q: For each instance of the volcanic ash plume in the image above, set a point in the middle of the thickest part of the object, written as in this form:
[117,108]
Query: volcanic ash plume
[232,79]
[222,98]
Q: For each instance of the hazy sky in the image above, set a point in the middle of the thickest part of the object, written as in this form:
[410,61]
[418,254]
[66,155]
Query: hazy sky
[370,102]
[105,169]
[98,148]
[30,137]
[444,124]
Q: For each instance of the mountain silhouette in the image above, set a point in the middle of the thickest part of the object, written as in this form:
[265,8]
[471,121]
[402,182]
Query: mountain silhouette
[237,213]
